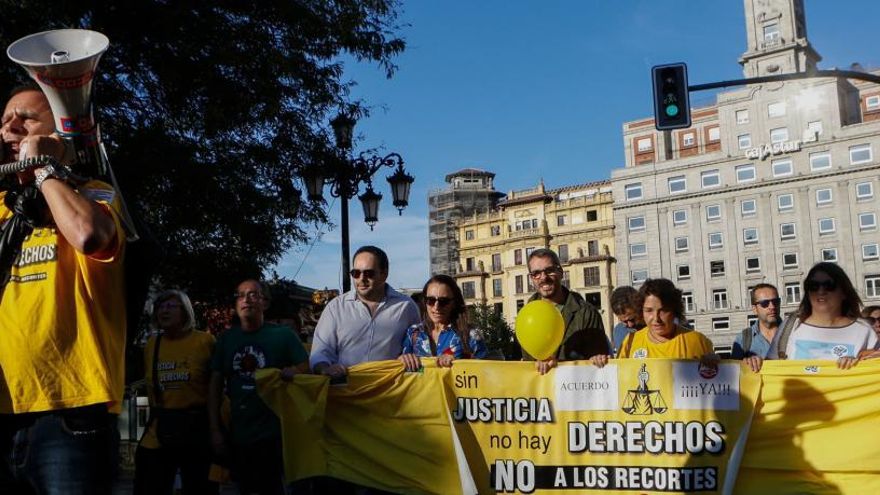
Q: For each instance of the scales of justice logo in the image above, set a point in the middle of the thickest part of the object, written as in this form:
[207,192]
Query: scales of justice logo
[643,401]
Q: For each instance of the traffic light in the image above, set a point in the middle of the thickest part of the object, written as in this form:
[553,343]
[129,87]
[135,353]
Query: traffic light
[672,108]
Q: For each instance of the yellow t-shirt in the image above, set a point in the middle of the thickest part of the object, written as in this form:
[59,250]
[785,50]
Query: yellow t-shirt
[62,320]
[687,344]
[184,368]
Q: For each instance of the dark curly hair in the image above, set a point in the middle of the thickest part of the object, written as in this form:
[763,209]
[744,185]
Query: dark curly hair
[666,291]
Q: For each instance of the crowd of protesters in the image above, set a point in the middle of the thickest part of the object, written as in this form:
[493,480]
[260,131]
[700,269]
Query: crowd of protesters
[60,394]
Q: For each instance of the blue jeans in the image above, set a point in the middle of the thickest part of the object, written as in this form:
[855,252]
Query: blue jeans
[70,451]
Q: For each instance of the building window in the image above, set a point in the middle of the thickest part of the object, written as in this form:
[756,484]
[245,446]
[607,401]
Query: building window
[497,285]
[529,252]
[591,276]
[688,139]
[815,127]
[688,300]
[792,293]
[719,297]
[639,250]
[496,262]
[716,240]
[681,244]
[679,217]
[469,264]
[779,135]
[826,226]
[684,272]
[870,252]
[789,260]
[750,236]
[820,161]
[592,248]
[519,305]
[677,185]
[872,286]
[720,324]
[872,102]
[782,168]
[748,207]
[860,154]
[518,282]
[771,32]
[864,190]
[710,178]
[560,220]
[469,235]
[867,221]
[468,290]
[636,224]
[517,257]
[713,212]
[776,109]
[714,134]
[829,254]
[639,276]
[563,253]
[745,141]
[823,196]
[745,173]
[499,308]
[742,116]
[753,264]
[644,144]
[785,202]
[495,230]
[787,231]
[716,268]
[592,215]
[566,279]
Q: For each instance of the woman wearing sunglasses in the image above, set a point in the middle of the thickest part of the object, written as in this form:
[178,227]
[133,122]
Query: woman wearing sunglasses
[445,332]
[828,324]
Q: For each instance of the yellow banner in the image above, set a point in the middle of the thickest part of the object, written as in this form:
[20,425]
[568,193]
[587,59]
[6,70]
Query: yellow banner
[643,426]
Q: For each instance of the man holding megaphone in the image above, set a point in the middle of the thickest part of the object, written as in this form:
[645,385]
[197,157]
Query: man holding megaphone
[62,313]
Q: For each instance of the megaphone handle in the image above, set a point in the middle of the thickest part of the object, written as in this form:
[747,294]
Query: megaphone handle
[35,161]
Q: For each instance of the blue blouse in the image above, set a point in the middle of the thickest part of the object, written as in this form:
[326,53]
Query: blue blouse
[418,341]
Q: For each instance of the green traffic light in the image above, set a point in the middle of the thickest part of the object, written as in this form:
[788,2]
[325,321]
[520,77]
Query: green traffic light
[671,110]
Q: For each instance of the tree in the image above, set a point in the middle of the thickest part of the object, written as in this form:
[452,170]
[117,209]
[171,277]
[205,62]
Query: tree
[210,111]
[498,335]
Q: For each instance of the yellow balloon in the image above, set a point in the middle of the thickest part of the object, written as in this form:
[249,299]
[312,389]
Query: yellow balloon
[540,328]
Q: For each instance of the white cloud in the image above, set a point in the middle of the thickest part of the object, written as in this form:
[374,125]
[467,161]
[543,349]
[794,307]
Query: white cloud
[404,238]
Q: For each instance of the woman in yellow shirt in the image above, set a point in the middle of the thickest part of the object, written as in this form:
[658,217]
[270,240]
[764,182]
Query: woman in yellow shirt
[663,335]
[177,436]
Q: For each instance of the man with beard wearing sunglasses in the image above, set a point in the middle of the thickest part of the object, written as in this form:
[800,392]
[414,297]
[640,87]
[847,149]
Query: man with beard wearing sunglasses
[760,341]
[364,324]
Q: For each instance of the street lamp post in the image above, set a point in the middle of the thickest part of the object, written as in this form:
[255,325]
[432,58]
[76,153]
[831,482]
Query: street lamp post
[345,181]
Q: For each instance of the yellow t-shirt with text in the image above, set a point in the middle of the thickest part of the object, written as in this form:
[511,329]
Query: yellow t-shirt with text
[62,320]
[184,369]
[687,344]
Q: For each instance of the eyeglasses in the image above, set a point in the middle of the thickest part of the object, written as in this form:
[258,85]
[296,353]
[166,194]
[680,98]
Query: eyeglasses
[441,302]
[814,285]
[249,296]
[871,320]
[168,305]
[764,303]
[547,272]
[629,321]
[355,273]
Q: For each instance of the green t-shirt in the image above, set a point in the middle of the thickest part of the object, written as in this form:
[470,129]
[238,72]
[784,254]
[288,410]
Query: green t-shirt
[237,355]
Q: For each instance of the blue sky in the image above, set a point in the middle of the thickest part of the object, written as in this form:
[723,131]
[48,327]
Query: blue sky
[537,90]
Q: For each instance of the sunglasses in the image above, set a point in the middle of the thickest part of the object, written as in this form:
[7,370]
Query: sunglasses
[355,273]
[548,272]
[764,303]
[814,285]
[439,301]
[871,320]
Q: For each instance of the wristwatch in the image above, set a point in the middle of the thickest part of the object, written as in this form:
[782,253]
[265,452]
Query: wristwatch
[55,171]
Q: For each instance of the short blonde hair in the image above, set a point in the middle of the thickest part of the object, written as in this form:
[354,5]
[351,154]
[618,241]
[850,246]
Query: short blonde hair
[181,296]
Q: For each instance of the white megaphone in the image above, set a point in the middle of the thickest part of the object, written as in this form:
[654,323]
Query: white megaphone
[63,63]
